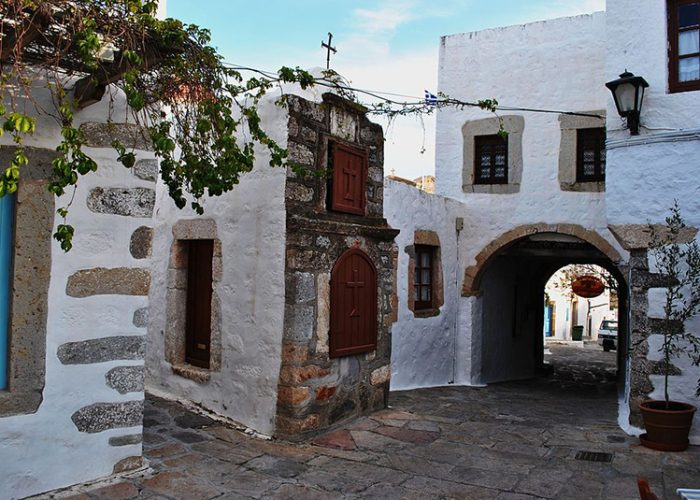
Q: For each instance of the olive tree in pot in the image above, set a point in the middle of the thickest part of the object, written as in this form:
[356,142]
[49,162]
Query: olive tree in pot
[668,422]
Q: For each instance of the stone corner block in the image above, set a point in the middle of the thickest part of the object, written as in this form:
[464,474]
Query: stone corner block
[104,281]
[124,347]
[100,417]
[128,202]
[380,375]
[101,135]
[146,169]
[125,379]
[141,242]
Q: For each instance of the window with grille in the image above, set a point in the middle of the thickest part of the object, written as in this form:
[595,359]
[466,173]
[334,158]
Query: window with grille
[491,159]
[683,45]
[423,277]
[590,162]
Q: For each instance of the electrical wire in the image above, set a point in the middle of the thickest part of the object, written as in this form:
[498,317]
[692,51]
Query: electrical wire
[417,101]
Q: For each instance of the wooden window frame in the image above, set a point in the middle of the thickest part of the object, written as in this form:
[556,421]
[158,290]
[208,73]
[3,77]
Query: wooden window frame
[480,142]
[582,136]
[418,285]
[335,191]
[674,85]
[200,255]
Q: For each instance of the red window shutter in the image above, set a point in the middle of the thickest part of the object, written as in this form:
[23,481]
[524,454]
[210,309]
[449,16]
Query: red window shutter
[199,292]
[349,174]
[353,305]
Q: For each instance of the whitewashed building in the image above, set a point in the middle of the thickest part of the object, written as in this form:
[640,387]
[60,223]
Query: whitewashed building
[509,213]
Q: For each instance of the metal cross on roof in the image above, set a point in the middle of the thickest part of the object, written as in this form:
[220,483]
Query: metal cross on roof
[329,48]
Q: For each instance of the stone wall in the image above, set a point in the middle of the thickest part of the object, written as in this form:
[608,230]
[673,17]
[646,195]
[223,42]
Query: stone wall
[77,339]
[314,390]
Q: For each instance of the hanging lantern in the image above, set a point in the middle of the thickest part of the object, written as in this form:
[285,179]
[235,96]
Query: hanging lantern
[588,286]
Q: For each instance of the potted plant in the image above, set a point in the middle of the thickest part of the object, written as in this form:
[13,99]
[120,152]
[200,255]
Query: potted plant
[668,422]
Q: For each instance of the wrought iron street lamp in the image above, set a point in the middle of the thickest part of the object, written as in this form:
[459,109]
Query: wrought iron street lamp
[628,92]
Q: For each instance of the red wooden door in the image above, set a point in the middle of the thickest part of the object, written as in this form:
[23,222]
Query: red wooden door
[353,305]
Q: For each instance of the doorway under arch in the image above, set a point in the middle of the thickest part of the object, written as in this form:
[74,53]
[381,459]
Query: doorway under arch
[509,317]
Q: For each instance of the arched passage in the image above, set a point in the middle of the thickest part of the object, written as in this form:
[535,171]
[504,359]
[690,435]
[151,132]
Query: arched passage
[508,282]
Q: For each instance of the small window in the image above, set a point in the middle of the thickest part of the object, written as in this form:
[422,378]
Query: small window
[423,277]
[490,159]
[199,293]
[684,45]
[348,185]
[590,157]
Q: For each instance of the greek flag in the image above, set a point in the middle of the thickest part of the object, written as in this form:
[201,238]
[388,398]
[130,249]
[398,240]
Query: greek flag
[430,99]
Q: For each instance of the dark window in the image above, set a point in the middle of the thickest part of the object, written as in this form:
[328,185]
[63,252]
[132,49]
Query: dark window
[423,277]
[490,160]
[683,45]
[199,292]
[348,185]
[353,305]
[590,155]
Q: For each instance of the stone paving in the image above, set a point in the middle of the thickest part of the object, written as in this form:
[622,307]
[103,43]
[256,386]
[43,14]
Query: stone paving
[513,441]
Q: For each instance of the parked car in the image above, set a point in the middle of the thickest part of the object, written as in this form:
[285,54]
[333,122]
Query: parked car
[607,335]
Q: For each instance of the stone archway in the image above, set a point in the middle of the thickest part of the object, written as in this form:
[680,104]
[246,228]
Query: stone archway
[507,285]
[473,274]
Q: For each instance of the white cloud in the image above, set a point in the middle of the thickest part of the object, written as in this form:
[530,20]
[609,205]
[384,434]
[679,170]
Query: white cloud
[384,19]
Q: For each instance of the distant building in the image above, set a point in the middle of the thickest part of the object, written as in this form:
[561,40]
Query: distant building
[425,183]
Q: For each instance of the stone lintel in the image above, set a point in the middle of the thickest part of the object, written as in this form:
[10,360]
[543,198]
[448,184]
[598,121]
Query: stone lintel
[638,236]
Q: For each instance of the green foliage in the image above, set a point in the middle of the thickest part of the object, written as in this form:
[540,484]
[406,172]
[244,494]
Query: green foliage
[200,115]
[679,263]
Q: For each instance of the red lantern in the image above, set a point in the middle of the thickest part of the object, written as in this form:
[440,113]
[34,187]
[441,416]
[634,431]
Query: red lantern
[588,286]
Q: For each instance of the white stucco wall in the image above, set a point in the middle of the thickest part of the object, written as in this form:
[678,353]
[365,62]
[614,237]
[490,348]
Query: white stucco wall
[423,349]
[251,225]
[648,172]
[45,450]
[557,65]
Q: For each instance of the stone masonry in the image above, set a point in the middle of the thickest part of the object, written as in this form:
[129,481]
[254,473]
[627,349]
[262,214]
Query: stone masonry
[314,390]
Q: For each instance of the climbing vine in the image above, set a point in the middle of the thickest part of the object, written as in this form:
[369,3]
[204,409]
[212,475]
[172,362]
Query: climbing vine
[199,114]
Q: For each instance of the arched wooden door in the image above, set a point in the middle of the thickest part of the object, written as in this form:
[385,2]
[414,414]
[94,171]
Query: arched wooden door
[353,305]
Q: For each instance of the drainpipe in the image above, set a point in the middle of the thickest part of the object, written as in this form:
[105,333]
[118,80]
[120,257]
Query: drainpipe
[459,225]
[7,222]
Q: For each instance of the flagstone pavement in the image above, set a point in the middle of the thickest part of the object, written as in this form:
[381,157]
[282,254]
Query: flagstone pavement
[516,440]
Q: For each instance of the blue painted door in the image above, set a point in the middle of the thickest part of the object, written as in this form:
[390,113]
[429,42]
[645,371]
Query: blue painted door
[7,222]
[548,310]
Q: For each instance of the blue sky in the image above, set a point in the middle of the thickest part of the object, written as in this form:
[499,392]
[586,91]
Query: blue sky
[388,45]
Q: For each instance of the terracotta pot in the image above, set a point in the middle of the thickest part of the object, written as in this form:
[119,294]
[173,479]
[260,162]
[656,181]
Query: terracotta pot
[667,428]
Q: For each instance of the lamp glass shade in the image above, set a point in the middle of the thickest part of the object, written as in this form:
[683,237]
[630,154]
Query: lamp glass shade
[626,97]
